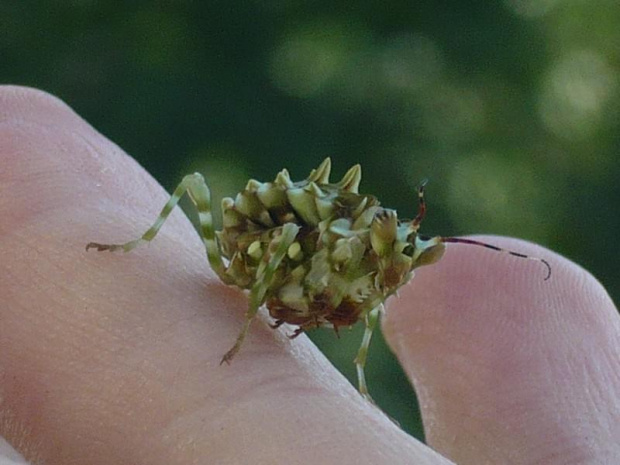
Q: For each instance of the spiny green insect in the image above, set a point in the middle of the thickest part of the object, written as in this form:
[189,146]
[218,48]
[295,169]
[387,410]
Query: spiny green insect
[315,253]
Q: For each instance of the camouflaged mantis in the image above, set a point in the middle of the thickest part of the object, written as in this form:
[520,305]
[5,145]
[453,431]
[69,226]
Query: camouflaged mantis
[315,253]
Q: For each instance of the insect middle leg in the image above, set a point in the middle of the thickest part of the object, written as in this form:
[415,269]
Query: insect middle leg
[264,278]
[360,360]
[198,191]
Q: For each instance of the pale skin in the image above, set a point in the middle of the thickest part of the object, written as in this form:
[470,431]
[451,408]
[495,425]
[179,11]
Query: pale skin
[111,358]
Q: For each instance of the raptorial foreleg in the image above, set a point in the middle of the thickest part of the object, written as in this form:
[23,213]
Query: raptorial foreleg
[264,278]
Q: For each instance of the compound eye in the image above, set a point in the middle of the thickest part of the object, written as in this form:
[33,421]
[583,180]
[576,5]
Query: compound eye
[409,250]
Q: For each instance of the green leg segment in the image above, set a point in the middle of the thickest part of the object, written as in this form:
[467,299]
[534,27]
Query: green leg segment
[360,361]
[198,191]
[263,282]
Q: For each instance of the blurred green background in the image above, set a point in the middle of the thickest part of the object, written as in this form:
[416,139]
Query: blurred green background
[510,108]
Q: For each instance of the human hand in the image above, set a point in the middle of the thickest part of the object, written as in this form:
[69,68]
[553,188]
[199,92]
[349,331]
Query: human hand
[110,359]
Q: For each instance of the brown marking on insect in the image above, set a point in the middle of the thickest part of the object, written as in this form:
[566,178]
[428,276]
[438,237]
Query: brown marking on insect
[320,312]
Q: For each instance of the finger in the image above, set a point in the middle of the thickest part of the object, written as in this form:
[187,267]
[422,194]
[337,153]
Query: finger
[8,455]
[510,368]
[114,358]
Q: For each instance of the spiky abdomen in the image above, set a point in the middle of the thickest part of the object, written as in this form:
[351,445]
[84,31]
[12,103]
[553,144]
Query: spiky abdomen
[332,273]
[256,216]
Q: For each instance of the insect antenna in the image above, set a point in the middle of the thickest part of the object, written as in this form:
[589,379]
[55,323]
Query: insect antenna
[459,240]
[415,223]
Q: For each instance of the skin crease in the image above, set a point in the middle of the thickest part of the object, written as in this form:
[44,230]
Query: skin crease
[112,358]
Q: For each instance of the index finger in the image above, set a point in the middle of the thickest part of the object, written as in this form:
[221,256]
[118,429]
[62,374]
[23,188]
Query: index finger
[115,358]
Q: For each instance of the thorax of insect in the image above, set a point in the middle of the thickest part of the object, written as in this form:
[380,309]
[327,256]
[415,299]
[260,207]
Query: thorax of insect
[315,253]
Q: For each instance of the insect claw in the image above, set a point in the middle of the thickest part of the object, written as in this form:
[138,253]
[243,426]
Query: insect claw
[368,398]
[102,247]
[228,356]
[276,324]
[296,333]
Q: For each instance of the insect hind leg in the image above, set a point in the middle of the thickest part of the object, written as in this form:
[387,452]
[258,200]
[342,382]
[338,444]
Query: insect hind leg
[199,193]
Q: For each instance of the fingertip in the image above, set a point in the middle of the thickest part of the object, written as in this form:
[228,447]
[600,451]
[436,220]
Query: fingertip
[495,351]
